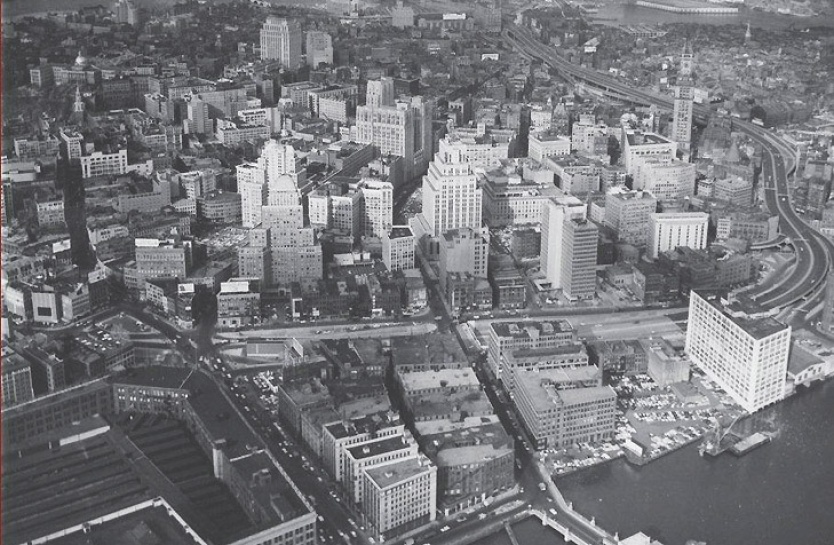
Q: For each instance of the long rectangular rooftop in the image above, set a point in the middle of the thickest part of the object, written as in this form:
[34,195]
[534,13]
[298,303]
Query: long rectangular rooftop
[443,378]
[375,448]
[531,329]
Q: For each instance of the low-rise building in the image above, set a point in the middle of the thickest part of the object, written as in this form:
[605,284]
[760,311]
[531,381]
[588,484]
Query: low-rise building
[220,207]
[557,418]
[507,337]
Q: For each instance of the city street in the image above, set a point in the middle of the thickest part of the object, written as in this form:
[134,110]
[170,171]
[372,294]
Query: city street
[352,331]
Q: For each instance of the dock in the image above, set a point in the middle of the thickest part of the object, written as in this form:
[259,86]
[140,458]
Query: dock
[749,443]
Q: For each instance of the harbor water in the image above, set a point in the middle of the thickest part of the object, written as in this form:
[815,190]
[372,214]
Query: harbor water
[779,494]
[528,532]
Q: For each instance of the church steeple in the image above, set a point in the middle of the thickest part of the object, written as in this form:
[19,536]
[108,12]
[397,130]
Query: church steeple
[78,106]
[748,36]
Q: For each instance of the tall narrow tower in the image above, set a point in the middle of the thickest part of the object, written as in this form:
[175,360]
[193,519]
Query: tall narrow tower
[78,105]
[682,114]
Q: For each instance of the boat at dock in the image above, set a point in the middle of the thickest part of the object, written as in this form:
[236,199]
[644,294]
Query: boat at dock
[749,443]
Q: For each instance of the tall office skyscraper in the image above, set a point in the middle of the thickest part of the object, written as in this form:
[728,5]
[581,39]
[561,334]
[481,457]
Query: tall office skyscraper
[380,93]
[281,41]
[579,259]
[747,357]
[556,213]
[397,127]
[278,163]
[319,48]
[378,207]
[272,181]
[451,196]
[682,115]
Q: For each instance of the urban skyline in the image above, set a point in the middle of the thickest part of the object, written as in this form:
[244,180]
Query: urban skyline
[417,272]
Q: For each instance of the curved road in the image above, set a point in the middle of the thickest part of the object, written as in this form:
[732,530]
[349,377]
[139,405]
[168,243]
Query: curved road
[814,252]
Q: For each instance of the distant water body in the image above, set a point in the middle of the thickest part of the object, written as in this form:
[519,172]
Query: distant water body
[16,8]
[620,14]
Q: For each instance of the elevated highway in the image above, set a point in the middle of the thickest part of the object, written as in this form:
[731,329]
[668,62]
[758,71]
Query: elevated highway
[814,253]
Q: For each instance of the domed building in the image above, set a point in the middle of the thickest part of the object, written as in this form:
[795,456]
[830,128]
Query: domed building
[80,72]
[80,61]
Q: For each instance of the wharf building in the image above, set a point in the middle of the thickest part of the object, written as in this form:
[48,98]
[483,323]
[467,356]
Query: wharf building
[746,356]
[557,415]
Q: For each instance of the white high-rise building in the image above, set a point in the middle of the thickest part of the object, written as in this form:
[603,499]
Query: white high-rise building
[380,93]
[278,163]
[272,181]
[378,197]
[400,495]
[669,230]
[252,189]
[319,48]
[403,128]
[684,96]
[747,357]
[281,41]
[398,248]
[555,213]
[451,196]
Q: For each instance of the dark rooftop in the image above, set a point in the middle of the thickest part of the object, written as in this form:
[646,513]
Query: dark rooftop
[375,448]
[400,232]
